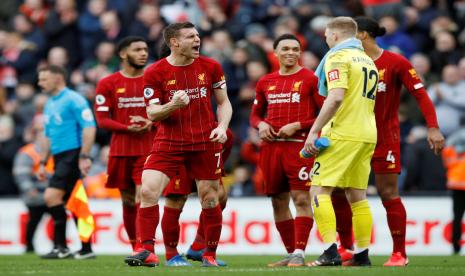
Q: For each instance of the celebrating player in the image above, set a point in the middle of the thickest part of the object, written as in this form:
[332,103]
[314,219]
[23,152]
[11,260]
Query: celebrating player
[120,108]
[285,107]
[394,71]
[178,91]
[349,78]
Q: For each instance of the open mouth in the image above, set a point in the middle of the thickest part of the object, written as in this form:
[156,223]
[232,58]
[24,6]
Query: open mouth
[196,48]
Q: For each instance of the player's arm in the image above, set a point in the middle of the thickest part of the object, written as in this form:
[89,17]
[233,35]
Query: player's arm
[158,112]
[414,85]
[257,115]
[85,119]
[337,75]
[223,113]
[44,154]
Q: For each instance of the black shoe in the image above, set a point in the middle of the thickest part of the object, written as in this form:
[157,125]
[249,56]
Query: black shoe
[142,257]
[58,253]
[84,254]
[359,259]
[330,257]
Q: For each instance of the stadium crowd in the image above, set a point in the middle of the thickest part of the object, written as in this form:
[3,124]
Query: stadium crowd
[80,35]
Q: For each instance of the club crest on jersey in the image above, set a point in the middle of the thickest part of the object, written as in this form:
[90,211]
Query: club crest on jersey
[381,74]
[203,92]
[99,99]
[148,92]
[171,82]
[296,86]
[201,78]
[271,87]
[295,98]
[333,75]
[121,90]
[413,73]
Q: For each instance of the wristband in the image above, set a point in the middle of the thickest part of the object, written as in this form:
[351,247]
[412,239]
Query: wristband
[85,156]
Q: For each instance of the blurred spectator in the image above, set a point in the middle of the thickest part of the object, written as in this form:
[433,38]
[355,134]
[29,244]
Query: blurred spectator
[395,39]
[461,66]
[213,16]
[30,33]
[449,99]
[454,161]
[96,179]
[418,19]
[35,10]
[111,26]
[61,29]
[380,8]
[242,185]
[424,169]
[25,110]
[7,9]
[259,45]
[26,164]
[219,46]
[250,149]
[315,35]
[9,145]
[422,66]
[22,57]
[309,60]
[90,26]
[445,52]
[59,56]
[149,24]
[104,63]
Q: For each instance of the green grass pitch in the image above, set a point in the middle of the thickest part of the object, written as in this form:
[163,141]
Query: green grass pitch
[237,265]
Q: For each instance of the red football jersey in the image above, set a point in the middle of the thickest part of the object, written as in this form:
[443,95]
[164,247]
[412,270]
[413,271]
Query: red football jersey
[283,99]
[188,128]
[117,98]
[394,71]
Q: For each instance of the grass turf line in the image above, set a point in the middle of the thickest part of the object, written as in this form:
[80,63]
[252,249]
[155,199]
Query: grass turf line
[237,265]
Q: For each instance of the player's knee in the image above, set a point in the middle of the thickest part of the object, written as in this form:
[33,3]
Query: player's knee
[302,201]
[176,202]
[388,193]
[148,194]
[209,200]
[280,204]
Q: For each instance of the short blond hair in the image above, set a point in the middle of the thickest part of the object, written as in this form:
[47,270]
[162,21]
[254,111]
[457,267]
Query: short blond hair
[344,24]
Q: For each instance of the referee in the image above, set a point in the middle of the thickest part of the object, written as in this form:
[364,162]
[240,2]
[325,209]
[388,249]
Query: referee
[69,136]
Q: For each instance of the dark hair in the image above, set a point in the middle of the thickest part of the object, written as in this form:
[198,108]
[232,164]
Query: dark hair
[369,25]
[54,69]
[164,51]
[127,41]
[172,30]
[284,37]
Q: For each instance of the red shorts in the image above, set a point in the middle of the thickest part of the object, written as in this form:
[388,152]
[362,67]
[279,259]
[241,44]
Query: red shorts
[124,171]
[181,184]
[283,169]
[201,165]
[386,159]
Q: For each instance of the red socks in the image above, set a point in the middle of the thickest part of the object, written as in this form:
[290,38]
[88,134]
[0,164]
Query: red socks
[199,242]
[170,228]
[343,220]
[147,222]
[286,231]
[213,219]
[302,228]
[397,221]
[129,220]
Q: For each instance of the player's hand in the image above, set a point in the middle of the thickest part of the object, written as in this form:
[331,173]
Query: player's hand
[84,165]
[41,173]
[266,132]
[435,140]
[218,135]
[310,144]
[288,130]
[143,123]
[180,99]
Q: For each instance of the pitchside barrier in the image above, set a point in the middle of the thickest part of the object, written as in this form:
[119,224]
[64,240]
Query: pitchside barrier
[248,228]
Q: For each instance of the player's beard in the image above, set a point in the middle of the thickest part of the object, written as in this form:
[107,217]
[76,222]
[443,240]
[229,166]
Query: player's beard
[133,63]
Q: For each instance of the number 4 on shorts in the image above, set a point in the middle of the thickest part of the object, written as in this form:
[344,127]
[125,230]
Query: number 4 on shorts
[390,157]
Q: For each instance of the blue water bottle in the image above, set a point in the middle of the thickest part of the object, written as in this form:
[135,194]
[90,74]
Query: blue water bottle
[321,143]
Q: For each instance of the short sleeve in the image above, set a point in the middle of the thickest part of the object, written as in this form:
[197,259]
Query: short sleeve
[82,112]
[152,88]
[409,76]
[218,79]
[337,71]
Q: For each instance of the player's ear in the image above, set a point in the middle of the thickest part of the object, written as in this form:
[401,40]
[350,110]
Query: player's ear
[174,42]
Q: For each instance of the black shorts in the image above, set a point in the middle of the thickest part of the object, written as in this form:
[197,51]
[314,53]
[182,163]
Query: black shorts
[66,170]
